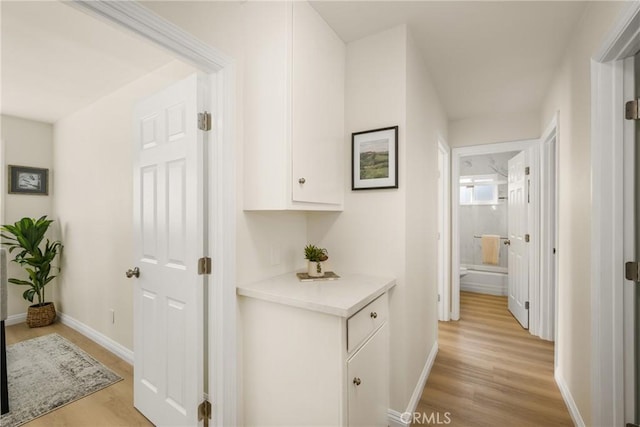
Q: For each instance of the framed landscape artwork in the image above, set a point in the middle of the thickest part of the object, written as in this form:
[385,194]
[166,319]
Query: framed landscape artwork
[26,180]
[374,155]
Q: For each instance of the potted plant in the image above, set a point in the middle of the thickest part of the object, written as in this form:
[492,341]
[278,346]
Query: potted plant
[316,257]
[25,237]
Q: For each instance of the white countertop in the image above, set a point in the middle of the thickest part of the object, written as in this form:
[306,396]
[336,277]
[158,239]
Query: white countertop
[342,297]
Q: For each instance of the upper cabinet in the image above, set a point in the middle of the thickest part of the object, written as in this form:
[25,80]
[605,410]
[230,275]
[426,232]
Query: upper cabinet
[294,111]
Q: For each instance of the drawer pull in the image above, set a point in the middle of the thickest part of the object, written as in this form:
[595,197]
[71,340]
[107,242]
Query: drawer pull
[302,181]
[357,381]
[374,315]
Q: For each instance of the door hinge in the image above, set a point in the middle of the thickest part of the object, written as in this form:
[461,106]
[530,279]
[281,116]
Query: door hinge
[527,170]
[204,265]
[632,271]
[204,121]
[632,110]
[527,238]
[526,305]
[204,411]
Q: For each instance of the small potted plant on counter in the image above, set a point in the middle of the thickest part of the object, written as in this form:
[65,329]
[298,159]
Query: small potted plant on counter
[25,237]
[315,260]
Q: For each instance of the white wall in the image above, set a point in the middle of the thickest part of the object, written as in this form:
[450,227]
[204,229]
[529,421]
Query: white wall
[93,202]
[570,95]
[26,143]
[490,129]
[426,123]
[392,232]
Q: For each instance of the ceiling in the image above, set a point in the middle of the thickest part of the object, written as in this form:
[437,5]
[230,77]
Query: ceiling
[485,58]
[56,59]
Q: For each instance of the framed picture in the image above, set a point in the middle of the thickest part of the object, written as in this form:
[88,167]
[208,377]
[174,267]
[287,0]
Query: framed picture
[374,157]
[26,180]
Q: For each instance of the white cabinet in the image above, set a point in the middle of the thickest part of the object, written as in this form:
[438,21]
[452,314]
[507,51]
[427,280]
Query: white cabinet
[297,366]
[294,111]
[368,371]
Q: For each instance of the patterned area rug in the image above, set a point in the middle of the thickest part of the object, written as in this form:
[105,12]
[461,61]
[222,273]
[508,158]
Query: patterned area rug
[48,372]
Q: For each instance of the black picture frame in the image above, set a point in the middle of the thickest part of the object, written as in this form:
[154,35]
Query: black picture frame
[28,180]
[374,159]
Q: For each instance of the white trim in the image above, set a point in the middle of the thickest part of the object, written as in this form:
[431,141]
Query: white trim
[533,224]
[16,319]
[568,400]
[457,153]
[422,381]
[396,418]
[608,220]
[547,310]
[606,245]
[444,306]
[624,39]
[133,16]
[629,251]
[116,348]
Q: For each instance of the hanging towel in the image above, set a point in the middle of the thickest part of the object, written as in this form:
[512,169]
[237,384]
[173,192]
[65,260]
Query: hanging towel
[490,249]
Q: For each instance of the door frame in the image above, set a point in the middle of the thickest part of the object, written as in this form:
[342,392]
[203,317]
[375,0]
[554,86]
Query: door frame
[132,16]
[611,223]
[457,154]
[444,232]
[549,185]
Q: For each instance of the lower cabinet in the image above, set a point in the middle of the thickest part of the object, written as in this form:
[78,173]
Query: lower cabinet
[368,373]
[298,369]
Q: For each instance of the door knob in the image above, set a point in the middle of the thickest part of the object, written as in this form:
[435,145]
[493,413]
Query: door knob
[357,381]
[507,242]
[133,273]
[374,315]
[302,181]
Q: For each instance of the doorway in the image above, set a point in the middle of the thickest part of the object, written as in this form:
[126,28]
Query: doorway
[464,249]
[219,240]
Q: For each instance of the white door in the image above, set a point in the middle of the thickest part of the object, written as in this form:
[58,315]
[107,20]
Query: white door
[518,258]
[169,240]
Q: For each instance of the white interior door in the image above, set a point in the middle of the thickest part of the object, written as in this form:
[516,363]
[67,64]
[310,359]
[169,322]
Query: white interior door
[169,240]
[518,258]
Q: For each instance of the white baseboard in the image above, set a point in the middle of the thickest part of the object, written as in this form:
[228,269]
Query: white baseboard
[568,400]
[396,419]
[15,319]
[99,338]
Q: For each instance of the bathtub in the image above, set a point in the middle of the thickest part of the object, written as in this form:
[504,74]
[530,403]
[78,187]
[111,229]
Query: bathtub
[485,279]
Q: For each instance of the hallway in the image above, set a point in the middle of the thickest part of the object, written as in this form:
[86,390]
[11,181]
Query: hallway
[491,372]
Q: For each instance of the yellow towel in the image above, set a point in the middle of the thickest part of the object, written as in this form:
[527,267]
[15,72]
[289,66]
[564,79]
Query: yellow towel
[490,249]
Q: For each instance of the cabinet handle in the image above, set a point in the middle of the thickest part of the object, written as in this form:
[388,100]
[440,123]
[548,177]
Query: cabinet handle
[357,381]
[302,181]
[374,315]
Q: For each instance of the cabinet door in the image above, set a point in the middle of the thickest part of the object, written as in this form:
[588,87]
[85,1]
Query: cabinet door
[368,382]
[317,116]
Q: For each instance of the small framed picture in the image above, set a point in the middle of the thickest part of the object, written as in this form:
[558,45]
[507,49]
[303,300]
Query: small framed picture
[26,180]
[374,155]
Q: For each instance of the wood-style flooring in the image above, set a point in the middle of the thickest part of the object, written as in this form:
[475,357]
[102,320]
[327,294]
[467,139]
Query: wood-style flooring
[112,406]
[489,371]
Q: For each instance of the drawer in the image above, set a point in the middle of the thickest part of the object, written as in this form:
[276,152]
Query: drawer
[367,320]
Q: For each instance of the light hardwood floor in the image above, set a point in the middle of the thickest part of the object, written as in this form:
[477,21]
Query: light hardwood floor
[491,372]
[112,406]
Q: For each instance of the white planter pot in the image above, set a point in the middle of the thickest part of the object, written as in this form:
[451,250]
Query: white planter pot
[315,269]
